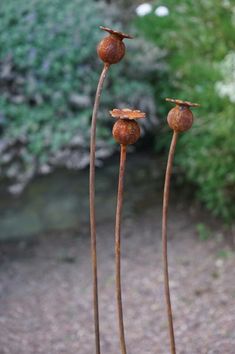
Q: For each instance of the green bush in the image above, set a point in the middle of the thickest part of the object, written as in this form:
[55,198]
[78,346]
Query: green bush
[198,35]
[48,75]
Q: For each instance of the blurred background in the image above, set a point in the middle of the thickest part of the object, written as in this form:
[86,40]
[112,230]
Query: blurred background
[49,71]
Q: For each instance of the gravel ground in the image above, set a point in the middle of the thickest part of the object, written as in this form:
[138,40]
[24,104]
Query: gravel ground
[45,290]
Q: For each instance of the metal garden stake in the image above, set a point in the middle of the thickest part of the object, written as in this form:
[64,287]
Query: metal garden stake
[126,131]
[110,50]
[180,119]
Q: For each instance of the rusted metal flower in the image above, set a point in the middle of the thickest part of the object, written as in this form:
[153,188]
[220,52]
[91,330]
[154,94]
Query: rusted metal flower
[180,118]
[126,130]
[111,49]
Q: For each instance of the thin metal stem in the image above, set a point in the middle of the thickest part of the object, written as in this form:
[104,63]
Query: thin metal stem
[164,240]
[118,248]
[92,207]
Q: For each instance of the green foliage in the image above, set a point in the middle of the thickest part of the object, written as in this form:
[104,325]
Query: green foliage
[49,70]
[203,231]
[198,35]
[225,254]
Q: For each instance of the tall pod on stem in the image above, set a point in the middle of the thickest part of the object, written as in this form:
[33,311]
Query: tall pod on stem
[180,119]
[110,50]
[126,131]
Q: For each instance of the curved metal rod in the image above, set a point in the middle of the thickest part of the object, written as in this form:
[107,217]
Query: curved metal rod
[164,240]
[92,206]
[118,248]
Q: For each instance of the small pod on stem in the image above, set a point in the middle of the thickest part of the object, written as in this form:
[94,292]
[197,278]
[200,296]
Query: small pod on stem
[110,50]
[126,131]
[180,119]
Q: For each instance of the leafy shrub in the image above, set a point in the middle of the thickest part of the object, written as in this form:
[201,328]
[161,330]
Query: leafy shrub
[198,35]
[48,75]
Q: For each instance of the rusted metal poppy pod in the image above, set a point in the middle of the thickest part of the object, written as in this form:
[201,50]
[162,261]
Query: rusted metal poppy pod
[125,131]
[112,48]
[180,118]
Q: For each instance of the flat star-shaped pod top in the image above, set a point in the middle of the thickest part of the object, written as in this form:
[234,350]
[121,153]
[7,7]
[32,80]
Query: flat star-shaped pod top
[117,33]
[182,103]
[127,113]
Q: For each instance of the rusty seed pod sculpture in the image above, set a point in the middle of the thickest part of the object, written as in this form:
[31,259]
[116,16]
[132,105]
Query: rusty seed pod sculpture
[110,50]
[126,131]
[180,119]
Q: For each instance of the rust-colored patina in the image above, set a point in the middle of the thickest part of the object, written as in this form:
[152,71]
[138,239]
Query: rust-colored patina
[121,35]
[126,131]
[127,113]
[180,118]
[182,103]
[112,48]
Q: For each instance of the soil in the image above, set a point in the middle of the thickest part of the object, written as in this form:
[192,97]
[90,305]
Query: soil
[46,295]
